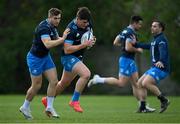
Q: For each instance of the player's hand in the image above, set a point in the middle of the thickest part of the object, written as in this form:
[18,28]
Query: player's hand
[65,33]
[93,41]
[88,43]
[159,64]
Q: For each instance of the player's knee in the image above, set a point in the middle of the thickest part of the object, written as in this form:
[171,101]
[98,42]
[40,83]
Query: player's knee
[53,82]
[144,84]
[120,83]
[86,75]
[35,88]
[63,84]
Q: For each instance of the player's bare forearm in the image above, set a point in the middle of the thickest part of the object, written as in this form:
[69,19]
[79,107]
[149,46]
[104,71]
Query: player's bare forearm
[68,49]
[52,43]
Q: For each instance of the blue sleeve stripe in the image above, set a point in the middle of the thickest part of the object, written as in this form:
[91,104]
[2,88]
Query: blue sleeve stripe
[162,42]
[45,36]
[121,36]
[69,41]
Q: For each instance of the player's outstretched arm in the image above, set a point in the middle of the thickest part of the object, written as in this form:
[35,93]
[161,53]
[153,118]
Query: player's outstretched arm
[130,48]
[52,43]
[69,48]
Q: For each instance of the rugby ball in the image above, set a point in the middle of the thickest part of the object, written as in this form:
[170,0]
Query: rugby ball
[86,36]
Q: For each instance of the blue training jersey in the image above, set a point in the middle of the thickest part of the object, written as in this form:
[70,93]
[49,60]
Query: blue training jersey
[44,29]
[74,37]
[125,36]
[159,51]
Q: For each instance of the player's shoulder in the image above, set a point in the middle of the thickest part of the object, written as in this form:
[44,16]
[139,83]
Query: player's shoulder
[124,31]
[44,25]
[72,26]
[127,31]
[162,38]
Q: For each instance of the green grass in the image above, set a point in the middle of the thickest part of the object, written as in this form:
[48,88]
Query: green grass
[97,109]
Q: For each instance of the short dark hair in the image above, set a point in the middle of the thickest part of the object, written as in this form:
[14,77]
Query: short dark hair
[54,12]
[160,23]
[83,13]
[135,19]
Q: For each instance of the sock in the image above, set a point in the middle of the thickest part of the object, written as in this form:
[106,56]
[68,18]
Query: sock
[26,104]
[162,98]
[99,80]
[142,105]
[50,101]
[75,96]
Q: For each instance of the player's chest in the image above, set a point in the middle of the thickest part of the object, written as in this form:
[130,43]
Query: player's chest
[53,34]
[77,36]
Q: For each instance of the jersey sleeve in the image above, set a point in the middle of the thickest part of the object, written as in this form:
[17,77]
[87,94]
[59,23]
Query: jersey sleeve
[44,33]
[122,35]
[163,51]
[70,37]
[128,37]
[125,35]
[143,45]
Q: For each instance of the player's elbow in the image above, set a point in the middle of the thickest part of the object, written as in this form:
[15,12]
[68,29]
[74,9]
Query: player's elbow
[128,49]
[47,45]
[116,44]
[116,41]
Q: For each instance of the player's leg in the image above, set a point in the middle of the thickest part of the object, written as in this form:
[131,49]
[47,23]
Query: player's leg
[153,76]
[35,65]
[65,81]
[123,75]
[84,75]
[81,69]
[32,91]
[140,93]
[51,75]
[35,86]
[121,82]
[67,76]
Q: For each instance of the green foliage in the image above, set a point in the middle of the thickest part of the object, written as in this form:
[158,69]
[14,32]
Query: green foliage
[19,18]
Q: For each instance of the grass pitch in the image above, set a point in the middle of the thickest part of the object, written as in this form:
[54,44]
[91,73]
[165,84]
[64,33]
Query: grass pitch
[97,109]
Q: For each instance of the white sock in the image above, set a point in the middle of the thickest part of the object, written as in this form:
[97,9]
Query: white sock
[50,101]
[99,80]
[26,104]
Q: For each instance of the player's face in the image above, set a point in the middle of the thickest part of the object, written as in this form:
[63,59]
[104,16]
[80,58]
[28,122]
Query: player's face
[155,29]
[54,20]
[81,23]
[138,25]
